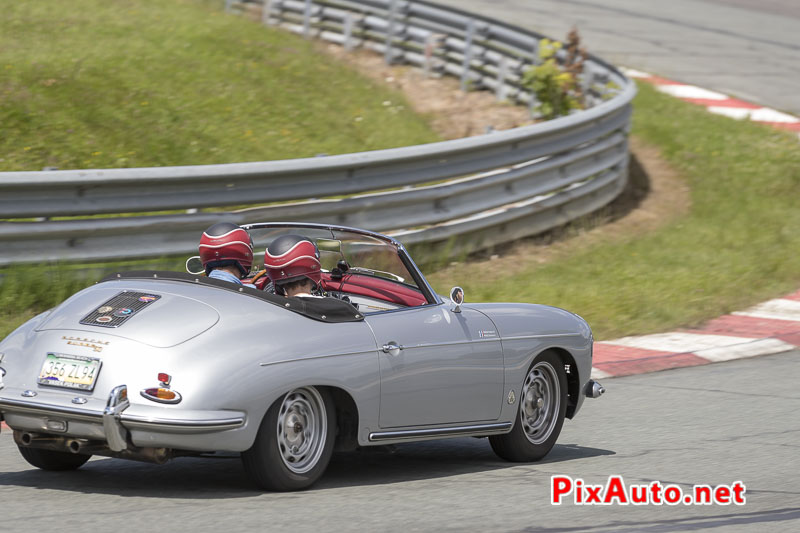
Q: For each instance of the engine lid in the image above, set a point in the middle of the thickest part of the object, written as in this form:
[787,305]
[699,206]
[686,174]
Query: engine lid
[157,318]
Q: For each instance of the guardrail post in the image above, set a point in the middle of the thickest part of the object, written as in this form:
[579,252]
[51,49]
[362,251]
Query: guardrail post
[430,43]
[307,20]
[266,9]
[348,31]
[467,54]
[387,54]
[502,74]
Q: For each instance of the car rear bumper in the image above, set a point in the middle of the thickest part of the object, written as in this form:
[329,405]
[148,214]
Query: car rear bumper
[134,424]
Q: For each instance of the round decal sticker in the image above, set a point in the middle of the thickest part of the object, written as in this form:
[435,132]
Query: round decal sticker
[147,298]
[123,311]
[104,319]
[105,309]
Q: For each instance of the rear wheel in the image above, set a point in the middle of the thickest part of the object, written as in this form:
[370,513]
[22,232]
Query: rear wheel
[542,405]
[53,460]
[294,442]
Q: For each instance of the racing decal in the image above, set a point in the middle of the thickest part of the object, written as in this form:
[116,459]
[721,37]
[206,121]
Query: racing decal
[118,309]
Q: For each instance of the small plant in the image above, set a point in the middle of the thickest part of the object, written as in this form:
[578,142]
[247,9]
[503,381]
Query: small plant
[555,86]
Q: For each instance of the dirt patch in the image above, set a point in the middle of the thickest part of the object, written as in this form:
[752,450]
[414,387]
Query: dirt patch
[655,195]
[452,113]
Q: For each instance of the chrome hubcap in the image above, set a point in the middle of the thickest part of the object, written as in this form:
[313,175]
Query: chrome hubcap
[302,427]
[541,402]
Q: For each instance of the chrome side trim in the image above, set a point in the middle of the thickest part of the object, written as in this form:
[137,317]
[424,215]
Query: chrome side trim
[478,429]
[313,357]
[546,336]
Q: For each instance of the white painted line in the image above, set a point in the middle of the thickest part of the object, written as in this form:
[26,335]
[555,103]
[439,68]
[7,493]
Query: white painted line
[691,91]
[739,113]
[750,349]
[762,114]
[632,73]
[679,342]
[599,374]
[766,114]
[779,309]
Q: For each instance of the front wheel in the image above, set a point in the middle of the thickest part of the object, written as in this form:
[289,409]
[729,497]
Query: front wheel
[542,405]
[53,460]
[294,442]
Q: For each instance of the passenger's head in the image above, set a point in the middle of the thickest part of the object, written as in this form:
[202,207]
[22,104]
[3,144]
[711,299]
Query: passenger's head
[226,245]
[290,259]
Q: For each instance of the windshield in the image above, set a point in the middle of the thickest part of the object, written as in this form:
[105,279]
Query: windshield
[364,254]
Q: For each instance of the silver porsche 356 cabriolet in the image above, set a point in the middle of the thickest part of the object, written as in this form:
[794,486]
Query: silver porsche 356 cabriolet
[155,365]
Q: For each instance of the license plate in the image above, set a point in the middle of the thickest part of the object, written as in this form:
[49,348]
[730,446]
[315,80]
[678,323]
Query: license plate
[69,371]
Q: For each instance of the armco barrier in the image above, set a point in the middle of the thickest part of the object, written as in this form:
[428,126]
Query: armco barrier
[489,189]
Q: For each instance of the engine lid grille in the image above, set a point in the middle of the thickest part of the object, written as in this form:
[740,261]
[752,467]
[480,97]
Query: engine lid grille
[116,310]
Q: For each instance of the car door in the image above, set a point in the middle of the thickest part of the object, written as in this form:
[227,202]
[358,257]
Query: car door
[437,366]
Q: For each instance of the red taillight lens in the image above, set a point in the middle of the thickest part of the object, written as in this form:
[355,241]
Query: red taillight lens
[163,377]
[160,394]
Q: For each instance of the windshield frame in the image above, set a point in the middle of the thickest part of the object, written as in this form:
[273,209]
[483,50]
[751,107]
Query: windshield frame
[430,295]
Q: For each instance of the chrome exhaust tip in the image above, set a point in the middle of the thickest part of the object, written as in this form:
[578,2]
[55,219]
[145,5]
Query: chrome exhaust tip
[594,389]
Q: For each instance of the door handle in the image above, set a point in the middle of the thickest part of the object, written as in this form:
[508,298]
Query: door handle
[392,348]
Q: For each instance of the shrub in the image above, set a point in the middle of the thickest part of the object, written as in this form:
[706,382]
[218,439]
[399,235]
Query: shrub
[555,85]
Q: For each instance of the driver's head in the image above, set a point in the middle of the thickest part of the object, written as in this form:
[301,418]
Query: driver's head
[226,244]
[292,258]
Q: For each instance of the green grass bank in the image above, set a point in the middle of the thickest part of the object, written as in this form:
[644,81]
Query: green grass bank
[134,83]
[739,244]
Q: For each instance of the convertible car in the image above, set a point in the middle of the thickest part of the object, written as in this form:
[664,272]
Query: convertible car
[155,365]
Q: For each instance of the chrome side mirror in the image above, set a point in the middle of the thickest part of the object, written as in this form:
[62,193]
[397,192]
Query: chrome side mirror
[457,297]
[195,266]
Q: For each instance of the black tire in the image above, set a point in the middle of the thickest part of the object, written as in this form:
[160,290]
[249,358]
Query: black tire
[539,418]
[53,460]
[272,463]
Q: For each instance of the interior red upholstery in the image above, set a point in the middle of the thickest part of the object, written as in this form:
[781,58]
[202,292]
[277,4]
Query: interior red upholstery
[372,287]
[369,286]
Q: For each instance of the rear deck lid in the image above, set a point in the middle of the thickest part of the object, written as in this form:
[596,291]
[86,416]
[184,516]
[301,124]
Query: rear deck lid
[157,318]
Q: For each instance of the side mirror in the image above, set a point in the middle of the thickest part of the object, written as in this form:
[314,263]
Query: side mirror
[195,266]
[457,296]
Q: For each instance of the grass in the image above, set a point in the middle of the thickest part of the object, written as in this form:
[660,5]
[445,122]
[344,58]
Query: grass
[105,84]
[739,244]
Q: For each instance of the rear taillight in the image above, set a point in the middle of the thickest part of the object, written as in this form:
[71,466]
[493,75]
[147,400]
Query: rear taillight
[161,395]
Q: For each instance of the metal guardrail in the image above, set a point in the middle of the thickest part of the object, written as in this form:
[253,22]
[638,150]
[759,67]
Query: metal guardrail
[494,188]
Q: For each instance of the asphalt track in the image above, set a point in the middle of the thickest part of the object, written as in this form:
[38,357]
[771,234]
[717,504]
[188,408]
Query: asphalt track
[743,48]
[714,424]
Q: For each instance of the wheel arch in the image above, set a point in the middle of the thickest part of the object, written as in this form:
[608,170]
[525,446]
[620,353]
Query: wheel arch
[347,417]
[573,380]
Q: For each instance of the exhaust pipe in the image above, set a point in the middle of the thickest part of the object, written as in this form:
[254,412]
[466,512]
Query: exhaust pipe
[86,447]
[27,439]
[594,389]
[35,440]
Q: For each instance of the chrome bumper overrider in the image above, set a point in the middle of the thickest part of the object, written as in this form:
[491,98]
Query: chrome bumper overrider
[116,435]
